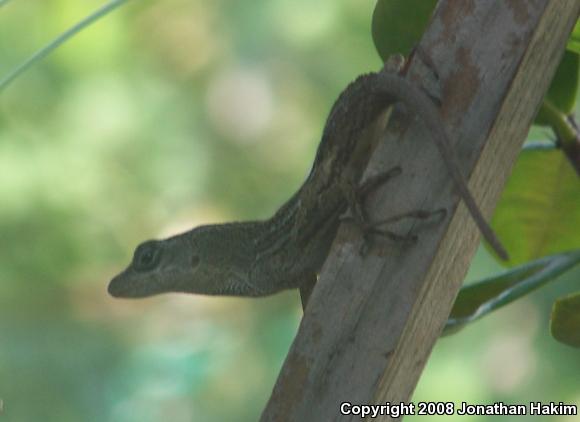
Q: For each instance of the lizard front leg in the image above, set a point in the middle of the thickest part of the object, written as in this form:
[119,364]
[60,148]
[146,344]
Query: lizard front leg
[306,289]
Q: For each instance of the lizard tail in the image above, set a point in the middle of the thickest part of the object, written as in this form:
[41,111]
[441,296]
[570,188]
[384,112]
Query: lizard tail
[418,102]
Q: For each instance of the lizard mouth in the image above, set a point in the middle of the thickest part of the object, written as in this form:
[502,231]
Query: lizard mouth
[130,286]
[119,286]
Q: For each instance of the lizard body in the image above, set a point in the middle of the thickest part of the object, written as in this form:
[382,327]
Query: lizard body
[286,251]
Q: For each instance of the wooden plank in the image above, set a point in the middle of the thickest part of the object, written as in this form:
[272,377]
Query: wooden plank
[372,321]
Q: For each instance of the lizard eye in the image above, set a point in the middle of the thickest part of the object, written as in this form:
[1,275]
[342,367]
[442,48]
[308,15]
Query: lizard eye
[146,256]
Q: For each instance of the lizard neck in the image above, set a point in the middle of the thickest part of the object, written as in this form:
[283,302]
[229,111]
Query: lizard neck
[284,258]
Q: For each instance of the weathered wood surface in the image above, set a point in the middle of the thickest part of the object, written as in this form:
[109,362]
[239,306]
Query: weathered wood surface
[372,321]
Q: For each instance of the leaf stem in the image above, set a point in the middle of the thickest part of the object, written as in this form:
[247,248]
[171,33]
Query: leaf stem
[43,52]
[559,123]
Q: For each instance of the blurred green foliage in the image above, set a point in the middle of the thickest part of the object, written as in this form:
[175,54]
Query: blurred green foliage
[565,320]
[480,298]
[539,210]
[163,116]
[397,25]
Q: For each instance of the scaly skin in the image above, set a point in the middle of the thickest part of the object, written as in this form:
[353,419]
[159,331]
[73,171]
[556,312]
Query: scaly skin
[287,251]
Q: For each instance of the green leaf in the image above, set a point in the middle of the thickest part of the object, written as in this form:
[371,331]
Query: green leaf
[480,298]
[539,211]
[397,25]
[574,41]
[562,92]
[565,321]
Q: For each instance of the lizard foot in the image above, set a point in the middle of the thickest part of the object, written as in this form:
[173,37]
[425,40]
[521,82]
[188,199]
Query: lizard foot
[372,229]
[356,196]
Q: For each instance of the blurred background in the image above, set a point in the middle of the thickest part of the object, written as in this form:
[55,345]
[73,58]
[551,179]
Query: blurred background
[160,117]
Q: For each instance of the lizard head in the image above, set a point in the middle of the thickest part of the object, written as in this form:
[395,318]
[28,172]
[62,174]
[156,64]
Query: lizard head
[190,262]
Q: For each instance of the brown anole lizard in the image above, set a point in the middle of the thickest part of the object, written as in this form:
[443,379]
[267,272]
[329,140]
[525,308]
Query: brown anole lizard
[258,258]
